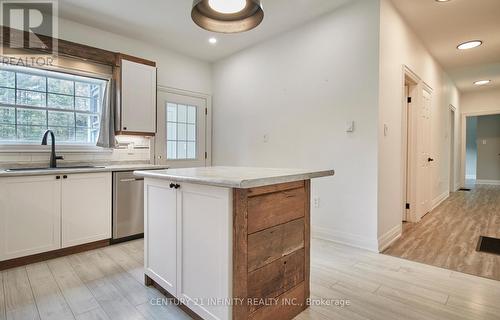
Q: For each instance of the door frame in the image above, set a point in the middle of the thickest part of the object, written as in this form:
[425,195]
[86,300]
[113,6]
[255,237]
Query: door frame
[208,119]
[463,140]
[409,146]
[453,150]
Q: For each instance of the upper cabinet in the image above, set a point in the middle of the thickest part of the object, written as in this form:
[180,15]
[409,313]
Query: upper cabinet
[135,96]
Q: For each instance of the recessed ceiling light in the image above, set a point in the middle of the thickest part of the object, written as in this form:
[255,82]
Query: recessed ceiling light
[227,7]
[482,82]
[442,0]
[212,40]
[469,45]
[227,16]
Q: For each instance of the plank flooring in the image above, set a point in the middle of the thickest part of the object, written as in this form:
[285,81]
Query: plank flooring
[447,237]
[106,284]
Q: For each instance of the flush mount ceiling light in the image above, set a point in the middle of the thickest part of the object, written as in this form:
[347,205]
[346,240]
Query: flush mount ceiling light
[442,0]
[482,82]
[227,16]
[212,40]
[469,45]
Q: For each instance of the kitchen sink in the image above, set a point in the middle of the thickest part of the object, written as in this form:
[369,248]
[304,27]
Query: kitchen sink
[58,168]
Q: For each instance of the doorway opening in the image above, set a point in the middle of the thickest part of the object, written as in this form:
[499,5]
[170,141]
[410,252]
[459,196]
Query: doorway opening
[480,149]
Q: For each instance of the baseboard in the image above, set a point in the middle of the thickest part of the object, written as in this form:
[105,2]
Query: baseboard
[436,202]
[389,237]
[39,257]
[489,182]
[345,238]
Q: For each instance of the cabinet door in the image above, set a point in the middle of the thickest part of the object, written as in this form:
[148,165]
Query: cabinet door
[138,92]
[160,233]
[86,208]
[30,215]
[204,249]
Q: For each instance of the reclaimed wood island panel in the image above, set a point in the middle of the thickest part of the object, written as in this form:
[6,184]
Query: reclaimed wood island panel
[242,240]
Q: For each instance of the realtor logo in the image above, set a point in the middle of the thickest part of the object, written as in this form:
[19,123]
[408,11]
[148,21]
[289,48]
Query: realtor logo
[32,25]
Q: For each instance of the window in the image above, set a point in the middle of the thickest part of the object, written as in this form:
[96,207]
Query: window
[32,101]
[181,132]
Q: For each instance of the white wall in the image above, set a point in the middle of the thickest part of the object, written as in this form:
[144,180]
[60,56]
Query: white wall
[482,100]
[299,89]
[400,46]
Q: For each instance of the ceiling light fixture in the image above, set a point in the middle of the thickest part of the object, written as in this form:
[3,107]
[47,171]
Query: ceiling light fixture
[469,45]
[227,16]
[212,40]
[442,0]
[482,82]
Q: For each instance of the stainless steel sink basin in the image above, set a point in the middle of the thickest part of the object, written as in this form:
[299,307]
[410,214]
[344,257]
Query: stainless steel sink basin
[58,168]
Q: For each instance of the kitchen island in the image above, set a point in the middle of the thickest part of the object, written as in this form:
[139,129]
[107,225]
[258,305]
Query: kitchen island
[230,242]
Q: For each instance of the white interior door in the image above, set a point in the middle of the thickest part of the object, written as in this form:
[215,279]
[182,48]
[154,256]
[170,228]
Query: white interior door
[424,151]
[181,140]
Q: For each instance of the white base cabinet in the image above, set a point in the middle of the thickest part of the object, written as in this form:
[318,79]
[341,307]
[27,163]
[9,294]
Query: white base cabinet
[50,212]
[188,244]
[86,208]
[30,216]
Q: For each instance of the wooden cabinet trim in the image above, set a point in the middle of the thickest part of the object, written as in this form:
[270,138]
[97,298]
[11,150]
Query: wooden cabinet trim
[275,188]
[240,253]
[276,278]
[274,243]
[271,209]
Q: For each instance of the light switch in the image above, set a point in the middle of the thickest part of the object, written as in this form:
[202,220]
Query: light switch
[265,138]
[349,126]
[484,141]
[386,130]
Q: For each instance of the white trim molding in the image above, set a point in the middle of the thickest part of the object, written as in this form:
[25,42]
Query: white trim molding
[489,182]
[389,237]
[345,238]
[440,199]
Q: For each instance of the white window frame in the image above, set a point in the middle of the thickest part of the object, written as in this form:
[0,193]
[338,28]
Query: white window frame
[61,147]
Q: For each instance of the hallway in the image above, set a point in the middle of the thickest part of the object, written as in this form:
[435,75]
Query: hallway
[448,236]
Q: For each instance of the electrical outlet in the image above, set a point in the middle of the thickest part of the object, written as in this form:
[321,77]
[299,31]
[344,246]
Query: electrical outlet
[265,138]
[316,201]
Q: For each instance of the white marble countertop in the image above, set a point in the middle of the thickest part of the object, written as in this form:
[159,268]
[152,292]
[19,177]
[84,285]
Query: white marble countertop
[235,177]
[98,168]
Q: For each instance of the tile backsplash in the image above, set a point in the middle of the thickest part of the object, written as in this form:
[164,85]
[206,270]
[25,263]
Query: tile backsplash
[129,149]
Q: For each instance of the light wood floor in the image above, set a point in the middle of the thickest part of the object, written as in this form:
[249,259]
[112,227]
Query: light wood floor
[447,237]
[106,284]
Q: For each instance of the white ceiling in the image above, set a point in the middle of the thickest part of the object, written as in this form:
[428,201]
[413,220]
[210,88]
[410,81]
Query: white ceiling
[168,23]
[442,26]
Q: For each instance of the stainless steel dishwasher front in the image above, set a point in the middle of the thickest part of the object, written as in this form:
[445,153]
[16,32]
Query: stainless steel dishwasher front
[128,206]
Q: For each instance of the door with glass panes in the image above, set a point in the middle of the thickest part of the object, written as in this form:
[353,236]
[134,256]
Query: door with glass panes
[181,138]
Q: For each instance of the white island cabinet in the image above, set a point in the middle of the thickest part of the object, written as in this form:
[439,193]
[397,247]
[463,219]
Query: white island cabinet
[216,238]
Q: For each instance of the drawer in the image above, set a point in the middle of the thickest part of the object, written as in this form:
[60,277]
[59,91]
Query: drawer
[268,210]
[276,278]
[274,243]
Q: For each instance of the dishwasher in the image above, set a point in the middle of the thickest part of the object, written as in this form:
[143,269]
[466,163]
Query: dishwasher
[128,206]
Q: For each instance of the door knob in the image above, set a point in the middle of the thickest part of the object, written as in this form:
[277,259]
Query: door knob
[430,159]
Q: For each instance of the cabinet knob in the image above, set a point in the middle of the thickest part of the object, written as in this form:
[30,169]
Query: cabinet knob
[65,177]
[58,177]
[124,128]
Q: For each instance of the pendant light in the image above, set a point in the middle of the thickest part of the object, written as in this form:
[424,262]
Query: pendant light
[227,16]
